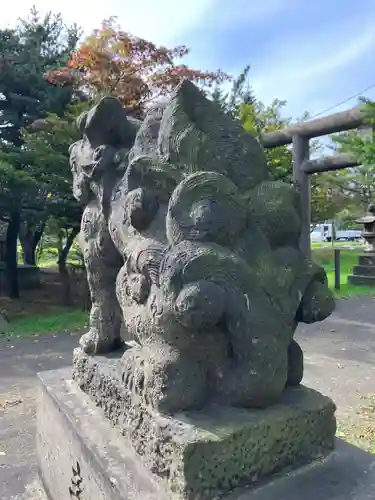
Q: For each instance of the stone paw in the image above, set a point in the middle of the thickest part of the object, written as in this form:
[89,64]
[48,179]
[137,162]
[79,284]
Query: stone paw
[317,303]
[92,344]
[295,364]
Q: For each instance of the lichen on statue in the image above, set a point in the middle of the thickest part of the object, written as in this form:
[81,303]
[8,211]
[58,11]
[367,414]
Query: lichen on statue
[189,243]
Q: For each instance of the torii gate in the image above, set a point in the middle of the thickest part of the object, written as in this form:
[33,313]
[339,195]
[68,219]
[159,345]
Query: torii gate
[299,136]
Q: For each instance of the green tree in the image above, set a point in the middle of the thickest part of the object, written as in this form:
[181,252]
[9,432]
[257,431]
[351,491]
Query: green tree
[359,182]
[15,187]
[47,146]
[345,194]
[327,199]
[240,94]
[257,119]
[28,51]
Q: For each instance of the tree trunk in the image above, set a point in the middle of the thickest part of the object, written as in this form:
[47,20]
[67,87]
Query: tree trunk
[29,240]
[64,252]
[11,255]
[61,262]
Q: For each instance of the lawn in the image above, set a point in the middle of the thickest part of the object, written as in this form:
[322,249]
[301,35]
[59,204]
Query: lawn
[38,312]
[349,259]
[59,321]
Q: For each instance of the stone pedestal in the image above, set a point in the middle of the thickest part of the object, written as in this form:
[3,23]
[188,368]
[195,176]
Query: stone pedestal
[364,272]
[82,456]
[194,455]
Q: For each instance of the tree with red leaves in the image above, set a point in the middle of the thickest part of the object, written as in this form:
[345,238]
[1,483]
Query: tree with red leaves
[113,62]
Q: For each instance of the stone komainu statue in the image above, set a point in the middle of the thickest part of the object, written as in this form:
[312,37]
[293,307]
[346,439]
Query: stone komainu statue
[189,244]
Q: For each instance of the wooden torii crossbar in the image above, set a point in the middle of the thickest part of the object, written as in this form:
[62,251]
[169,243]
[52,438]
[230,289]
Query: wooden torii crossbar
[299,136]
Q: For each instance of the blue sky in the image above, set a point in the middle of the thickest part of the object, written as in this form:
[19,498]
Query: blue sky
[312,54]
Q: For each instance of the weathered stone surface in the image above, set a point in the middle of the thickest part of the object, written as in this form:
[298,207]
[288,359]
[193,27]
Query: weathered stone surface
[71,430]
[362,280]
[368,232]
[208,452]
[367,260]
[364,270]
[348,473]
[79,454]
[183,227]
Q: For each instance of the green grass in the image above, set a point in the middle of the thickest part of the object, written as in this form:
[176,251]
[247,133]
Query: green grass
[49,256]
[57,322]
[349,259]
[338,244]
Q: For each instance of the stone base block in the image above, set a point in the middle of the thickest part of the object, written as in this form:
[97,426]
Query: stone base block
[198,455]
[364,271]
[203,454]
[80,455]
[367,259]
[362,280]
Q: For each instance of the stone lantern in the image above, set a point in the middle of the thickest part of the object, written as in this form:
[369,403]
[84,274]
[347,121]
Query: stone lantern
[368,232]
[364,272]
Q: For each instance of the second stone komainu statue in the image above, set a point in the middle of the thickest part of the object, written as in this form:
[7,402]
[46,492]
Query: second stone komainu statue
[193,249]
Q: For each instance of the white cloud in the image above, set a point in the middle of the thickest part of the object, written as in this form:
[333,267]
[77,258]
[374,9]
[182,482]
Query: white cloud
[314,73]
[309,72]
[245,11]
[160,21]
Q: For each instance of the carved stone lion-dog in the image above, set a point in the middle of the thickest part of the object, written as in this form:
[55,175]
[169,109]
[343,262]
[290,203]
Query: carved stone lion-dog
[189,244]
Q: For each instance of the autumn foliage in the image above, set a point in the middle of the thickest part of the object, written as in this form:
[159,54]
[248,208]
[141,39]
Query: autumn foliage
[113,62]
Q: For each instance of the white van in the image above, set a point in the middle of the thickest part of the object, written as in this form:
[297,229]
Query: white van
[316,235]
[323,232]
